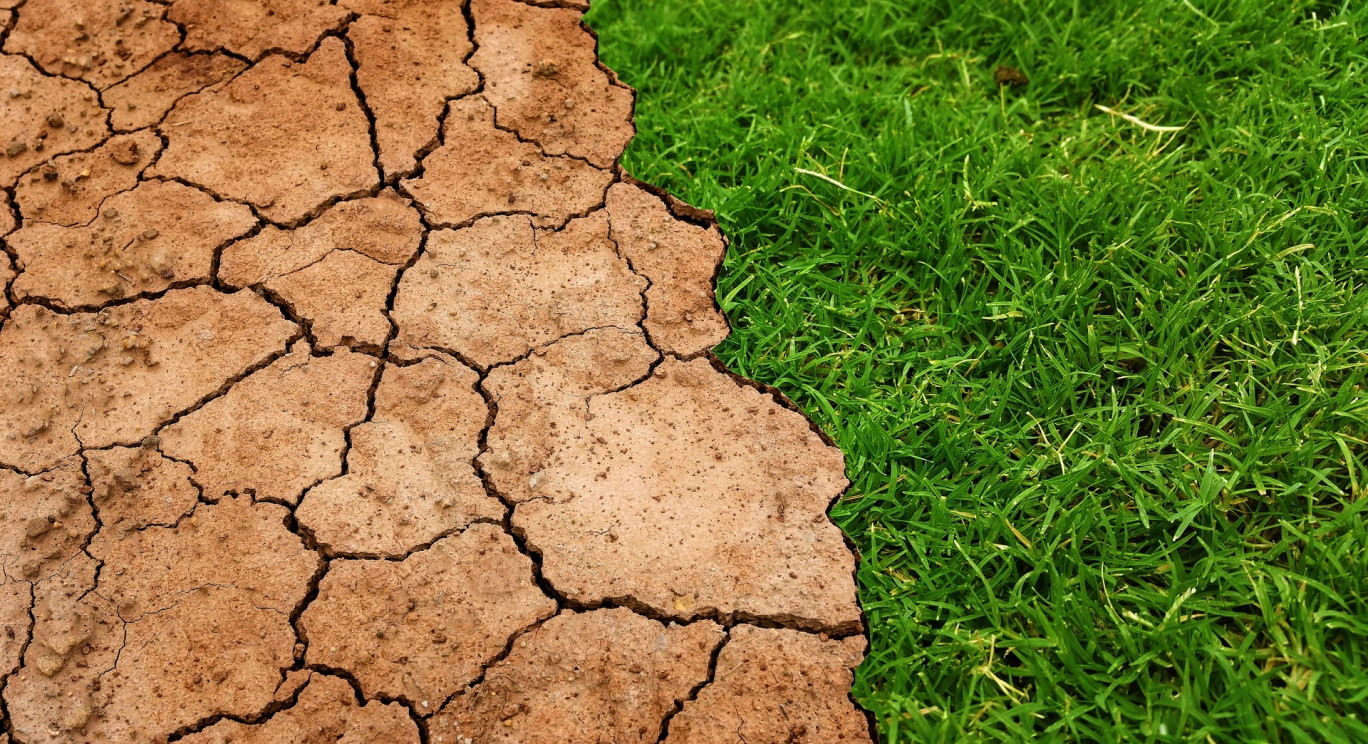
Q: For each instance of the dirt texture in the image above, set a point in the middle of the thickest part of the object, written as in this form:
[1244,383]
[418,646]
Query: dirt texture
[776,685]
[143,99]
[352,392]
[284,137]
[606,675]
[69,190]
[99,41]
[572,279]
[152,237]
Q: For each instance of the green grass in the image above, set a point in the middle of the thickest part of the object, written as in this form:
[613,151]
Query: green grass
[1100,388]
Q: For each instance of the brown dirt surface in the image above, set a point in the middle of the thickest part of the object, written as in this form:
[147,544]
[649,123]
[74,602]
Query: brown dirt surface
[6,276]
[70,189]
[481,170]
[606,675]
[43,116]
[336,272]
[145,240]
[102,378]
[572,280]
[134,487]
[326,712]
[47,519]
[254,28]
[352,392]
[300,407]
[7,221]
[411,474]
[183,623]
[411,59]
[448,610]
[143,99]
[680,259]
[99,41]
[285,137]
[715,510]
[542,75]
[776,685]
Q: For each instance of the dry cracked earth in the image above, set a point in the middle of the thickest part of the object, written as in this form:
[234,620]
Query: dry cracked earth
[351,392]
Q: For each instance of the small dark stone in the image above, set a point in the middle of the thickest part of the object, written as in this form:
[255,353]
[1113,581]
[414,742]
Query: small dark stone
[1005,75]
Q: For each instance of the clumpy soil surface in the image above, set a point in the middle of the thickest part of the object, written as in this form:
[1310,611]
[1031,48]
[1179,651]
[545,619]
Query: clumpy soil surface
[350,391]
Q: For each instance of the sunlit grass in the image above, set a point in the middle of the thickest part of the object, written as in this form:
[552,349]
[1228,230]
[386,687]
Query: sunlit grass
[1098,374]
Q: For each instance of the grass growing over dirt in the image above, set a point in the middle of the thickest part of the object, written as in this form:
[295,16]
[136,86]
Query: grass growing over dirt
[1099,374]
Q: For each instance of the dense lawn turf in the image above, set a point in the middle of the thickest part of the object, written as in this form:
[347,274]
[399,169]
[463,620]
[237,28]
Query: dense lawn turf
[1099,373]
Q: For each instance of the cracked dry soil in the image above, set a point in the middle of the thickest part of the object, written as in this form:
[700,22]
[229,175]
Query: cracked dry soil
[351,392]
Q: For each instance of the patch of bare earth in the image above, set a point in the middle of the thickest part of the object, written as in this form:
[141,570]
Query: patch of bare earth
[351,392]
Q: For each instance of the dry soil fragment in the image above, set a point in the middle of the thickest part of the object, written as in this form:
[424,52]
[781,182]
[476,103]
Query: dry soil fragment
[325,713]
[680,259]
[542,75]
[253,28]
[100,41]
[688,492]
[285,137]
[278,431]
[114,376]
[777,686]
[45,519]
[69,190]
[187,623]
[143,99]
[446,612]
[482,170]
[137,486]
[497,289]
[411,474]
[337,271]
[410,60]
[43,116]
[145,240]
[603,676]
